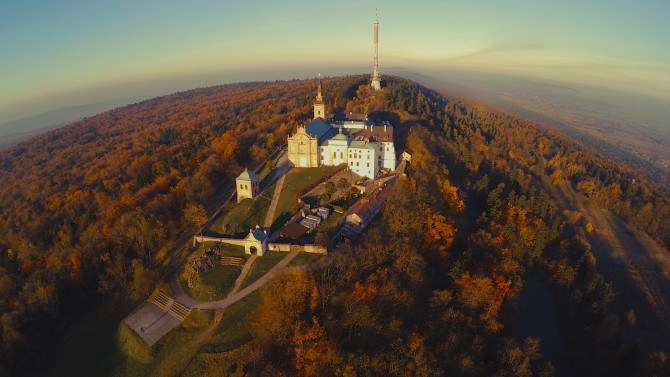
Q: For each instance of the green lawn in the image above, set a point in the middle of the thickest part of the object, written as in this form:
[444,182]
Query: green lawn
[219,280]
[229,343]
[240,217]
[331,221]
[267,168]
[304,258]
[296,181]
[234,328]
[262,265]
[213,285]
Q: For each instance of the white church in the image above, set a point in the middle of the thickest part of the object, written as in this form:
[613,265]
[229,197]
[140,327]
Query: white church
[352,139]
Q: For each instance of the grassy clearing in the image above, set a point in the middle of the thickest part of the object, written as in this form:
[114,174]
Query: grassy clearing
[229,345]
[240,217]
[219,280]
[331,222]
[213,285]
[267,168]
[234,329]
[304,258]
[262,265]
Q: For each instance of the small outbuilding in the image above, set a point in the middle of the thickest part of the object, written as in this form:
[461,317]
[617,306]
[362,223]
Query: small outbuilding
[323,213]
[293,231]
[311,222]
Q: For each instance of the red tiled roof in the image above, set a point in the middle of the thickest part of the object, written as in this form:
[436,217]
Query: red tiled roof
[377,133]
[293,231]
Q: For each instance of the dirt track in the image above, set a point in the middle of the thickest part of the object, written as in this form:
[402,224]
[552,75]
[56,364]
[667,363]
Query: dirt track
[637,266]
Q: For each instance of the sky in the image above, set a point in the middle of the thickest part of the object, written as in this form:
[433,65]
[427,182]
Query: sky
[59,53]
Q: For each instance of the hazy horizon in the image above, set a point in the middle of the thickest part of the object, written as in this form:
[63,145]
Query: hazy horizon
[496,89]
[65,54]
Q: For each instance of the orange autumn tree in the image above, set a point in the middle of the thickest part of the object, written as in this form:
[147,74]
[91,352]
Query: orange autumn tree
[440,232]
[483,297]
[366,291]
[312,350]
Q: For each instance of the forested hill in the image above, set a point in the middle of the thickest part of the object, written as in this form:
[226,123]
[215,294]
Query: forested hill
[88,212]
[434,286]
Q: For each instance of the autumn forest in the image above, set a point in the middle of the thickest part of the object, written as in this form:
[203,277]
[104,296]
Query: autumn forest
[89,214]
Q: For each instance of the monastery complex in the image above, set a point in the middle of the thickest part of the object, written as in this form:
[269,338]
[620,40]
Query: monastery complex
[353,139]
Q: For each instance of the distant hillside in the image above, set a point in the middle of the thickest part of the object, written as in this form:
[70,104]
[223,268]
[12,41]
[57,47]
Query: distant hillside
[13,132]
[631,128]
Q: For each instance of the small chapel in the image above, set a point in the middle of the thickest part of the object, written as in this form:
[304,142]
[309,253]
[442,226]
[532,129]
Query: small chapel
[247,185]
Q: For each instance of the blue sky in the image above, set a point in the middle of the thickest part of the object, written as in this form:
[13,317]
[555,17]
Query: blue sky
[64,52]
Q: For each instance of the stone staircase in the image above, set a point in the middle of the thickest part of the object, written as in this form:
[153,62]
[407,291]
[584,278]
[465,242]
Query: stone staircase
[170,305]
[231,261]
[162,300]
[179,310]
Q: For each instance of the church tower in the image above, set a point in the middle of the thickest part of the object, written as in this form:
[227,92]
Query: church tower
[319,105]
[376,78]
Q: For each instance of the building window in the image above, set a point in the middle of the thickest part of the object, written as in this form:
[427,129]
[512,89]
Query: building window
[368,164]
[368,157]
[387,149]
[322,149]
[357,164]
[341,154]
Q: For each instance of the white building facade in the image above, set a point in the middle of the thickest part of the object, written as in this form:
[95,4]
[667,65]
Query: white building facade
[353,139]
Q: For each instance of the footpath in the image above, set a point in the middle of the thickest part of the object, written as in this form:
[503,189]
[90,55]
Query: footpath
[163,312]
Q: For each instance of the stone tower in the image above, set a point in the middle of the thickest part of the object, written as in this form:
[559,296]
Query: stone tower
[319,105]
[376,78]
[247,185]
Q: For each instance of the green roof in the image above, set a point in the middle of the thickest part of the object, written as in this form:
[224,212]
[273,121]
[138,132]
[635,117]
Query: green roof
[247,175]
[340,136]
[360,144]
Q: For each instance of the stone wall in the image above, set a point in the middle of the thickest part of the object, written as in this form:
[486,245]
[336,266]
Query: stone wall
[279,247]
[315,249]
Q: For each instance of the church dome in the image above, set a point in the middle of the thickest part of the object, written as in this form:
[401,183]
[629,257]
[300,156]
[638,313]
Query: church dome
[341,136]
